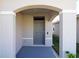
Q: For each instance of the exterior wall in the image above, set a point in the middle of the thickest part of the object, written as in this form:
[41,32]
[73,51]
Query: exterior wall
[7,23]
[48,28]
[28,29]
[77,30]
[7,35]
[19,29]
[56,29]
[67,33]
[15,4]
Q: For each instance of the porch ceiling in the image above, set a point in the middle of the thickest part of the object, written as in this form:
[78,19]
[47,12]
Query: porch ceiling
[51,13]
[35,10]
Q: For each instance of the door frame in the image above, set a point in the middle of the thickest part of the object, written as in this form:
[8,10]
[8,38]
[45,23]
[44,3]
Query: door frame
[33,31]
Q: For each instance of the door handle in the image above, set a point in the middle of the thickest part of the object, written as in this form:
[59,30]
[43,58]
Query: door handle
[47,33]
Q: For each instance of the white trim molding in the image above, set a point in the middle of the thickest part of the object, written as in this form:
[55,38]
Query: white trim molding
[48,38]
[27,38]
[68,11]
[7,12]
[40,45]
[27,41]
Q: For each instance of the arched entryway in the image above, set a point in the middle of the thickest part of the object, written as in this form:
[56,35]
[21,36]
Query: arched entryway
[8,15]
[34,26]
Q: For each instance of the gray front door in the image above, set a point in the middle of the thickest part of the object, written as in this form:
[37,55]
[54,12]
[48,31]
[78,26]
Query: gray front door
[39,31]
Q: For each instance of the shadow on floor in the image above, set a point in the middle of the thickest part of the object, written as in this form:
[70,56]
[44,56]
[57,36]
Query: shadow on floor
[35,52]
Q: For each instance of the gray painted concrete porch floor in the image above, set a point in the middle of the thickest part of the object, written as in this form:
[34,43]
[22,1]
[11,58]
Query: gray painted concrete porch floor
[35,52]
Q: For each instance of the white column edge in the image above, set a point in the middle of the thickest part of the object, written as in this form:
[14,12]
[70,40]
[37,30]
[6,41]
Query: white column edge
[68,11]
[7,12]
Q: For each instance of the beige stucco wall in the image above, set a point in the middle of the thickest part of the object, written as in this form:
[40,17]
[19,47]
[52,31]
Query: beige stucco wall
[12,5]
[19,31]
[28,28]
[48,28]
[24,29]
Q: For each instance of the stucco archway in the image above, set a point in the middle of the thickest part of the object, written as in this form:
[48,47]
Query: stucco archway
[62,26]
[38,6]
